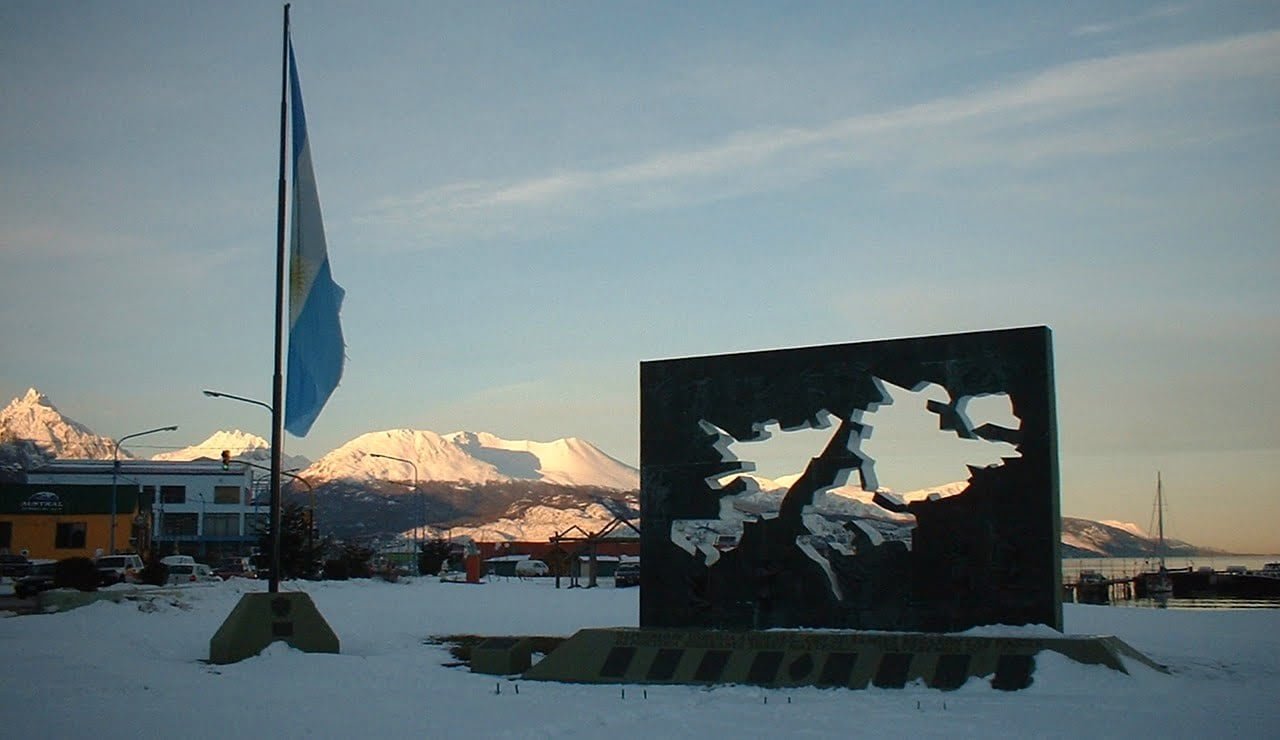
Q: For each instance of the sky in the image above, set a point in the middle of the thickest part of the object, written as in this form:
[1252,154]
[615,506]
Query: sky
[523,201]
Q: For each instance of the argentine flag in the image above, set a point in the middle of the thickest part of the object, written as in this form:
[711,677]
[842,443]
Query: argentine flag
[316,349]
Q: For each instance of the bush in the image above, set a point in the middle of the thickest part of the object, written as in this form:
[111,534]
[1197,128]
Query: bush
[357,558]
[77,573]
[435,553]
[336,570]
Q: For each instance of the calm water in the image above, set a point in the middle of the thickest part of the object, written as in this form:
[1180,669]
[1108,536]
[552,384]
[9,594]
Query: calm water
[1128,567]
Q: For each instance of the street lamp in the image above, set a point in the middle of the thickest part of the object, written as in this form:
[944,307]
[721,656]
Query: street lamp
[311,492]
[200,532]
[233,397]
[273,585]
[115,475]
[421,499]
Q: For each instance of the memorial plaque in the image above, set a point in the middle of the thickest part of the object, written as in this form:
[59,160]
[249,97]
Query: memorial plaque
[718,554]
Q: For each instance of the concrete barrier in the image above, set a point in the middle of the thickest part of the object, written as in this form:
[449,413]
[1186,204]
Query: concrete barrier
[502,656]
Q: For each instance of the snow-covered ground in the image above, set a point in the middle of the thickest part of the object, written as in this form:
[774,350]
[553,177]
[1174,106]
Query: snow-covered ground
[135,669]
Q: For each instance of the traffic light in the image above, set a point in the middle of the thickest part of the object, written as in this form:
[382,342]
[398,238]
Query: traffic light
[226,459]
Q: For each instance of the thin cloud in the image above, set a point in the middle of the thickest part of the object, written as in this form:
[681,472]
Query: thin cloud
[1158,13]
[968,130]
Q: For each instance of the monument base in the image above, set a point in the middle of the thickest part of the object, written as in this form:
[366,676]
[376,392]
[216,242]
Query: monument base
[783,658]
[263,618]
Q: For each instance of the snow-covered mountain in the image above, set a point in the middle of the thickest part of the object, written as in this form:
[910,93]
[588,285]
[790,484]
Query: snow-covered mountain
[238,443]
[468,464]
[1081,538]
[1129,527]
[567,462]
[34,418]
[470,457]
[1084,538]
[851,491]
[537,524]
[32,429]
[241,445]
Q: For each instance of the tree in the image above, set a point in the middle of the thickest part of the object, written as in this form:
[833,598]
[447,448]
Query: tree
[300,550]
[357,558]
[433,555]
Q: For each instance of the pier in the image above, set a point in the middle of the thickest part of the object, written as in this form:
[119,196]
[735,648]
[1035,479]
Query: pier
[1091,587]
[1235,583]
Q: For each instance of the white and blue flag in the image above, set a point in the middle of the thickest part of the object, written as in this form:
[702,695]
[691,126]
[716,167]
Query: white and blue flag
[316,348]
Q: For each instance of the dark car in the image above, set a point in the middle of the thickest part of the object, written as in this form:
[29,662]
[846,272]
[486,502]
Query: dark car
[627,574]
[235,568]
[39,579]
[14,566]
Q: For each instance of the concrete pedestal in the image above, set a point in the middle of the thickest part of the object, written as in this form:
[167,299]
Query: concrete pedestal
[780,658]
[263,618]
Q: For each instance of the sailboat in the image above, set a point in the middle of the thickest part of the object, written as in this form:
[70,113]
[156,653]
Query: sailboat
[1159,584]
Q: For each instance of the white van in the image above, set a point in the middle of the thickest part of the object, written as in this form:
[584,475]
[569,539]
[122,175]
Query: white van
[186,574]
[178,560]
[118,568]
[528,568]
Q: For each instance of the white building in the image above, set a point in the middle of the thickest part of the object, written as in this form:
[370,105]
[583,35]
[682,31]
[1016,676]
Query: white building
[197,507]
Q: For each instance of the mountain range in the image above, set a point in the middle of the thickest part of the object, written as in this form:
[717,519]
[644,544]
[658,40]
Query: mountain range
[241,445]
[389,482]
[35,431]
[471,457]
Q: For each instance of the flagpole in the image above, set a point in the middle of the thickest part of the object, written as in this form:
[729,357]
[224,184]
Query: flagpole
[262,618]
[277,378]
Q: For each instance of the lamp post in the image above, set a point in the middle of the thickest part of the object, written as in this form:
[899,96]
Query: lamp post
[233,397]
[311,492]
[115,476]
[274,482]
[200,533]
[311,520]
[421,500]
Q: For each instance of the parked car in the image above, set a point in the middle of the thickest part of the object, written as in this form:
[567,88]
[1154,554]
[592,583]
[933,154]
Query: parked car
[178,560]
[526,568]
[182,575]
[235,568]
[118,568]
[14,566]
[627,574]
[40,578]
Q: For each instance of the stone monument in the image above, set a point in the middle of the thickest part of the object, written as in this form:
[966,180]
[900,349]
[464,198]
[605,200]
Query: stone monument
[716,557]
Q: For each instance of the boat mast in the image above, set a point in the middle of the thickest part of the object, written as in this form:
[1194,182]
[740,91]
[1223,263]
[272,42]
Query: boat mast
[1160,520]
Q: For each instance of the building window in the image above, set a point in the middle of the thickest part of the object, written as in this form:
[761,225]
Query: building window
[6,535]
[222,525]
[148,496]
[173,494]
[226,494]
[70,536]
[180,525]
